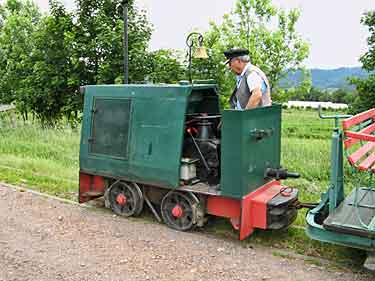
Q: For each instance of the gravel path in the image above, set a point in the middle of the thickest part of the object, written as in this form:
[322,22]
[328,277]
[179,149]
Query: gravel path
[45,239]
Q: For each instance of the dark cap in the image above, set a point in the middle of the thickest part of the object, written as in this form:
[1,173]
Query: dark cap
[234,53]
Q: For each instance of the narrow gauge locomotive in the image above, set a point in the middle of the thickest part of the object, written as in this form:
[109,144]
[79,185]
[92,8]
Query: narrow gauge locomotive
[163,146]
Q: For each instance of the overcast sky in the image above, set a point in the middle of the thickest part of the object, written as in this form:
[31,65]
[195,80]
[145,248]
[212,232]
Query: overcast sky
[332,27]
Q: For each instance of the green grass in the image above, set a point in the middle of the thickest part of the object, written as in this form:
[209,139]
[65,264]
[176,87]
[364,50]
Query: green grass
[47,161]
[44,159]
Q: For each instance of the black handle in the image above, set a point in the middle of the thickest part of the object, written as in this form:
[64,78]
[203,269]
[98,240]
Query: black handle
[280,174]
[259,134]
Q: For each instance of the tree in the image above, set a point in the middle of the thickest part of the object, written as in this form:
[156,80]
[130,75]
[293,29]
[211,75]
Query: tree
[368,59]
[365,94]
[275,50]
[342,96]
[316,94]
[54,86]
[45,59]
[99,46]
[366,87]
[18,21]
[164,67]
[2,17]
[305,87]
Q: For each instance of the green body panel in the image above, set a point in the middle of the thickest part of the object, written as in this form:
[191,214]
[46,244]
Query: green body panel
[147,146]
[245,157]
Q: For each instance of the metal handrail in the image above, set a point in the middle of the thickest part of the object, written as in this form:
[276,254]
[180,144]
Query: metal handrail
[336,117]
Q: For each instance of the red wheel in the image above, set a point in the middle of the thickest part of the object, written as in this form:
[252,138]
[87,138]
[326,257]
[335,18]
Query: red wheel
[125,200]
[178,210]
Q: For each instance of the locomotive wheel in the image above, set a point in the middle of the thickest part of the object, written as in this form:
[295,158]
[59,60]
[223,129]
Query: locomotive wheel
[125,199]
[177,210]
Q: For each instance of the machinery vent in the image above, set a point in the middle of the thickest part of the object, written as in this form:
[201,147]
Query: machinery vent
[110,127]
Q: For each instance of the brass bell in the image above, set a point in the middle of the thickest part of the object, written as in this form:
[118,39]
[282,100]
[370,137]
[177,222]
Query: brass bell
[201,53]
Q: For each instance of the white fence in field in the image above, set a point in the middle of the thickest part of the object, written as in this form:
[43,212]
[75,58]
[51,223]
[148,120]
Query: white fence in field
[315,104]
[6,107]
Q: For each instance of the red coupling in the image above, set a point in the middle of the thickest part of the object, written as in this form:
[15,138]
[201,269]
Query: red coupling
[286,191]
[177,211]
[121,199]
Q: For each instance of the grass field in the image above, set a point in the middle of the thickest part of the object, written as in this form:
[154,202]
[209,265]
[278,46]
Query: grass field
[47,160]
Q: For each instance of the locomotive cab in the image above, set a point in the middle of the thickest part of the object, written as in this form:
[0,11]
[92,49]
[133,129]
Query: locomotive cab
[200,161]
[170,147]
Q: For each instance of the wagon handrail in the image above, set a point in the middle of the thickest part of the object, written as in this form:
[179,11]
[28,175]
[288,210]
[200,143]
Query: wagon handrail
[336,117]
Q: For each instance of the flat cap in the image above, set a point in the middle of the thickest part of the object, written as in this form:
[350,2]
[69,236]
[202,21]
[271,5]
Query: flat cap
[234,53]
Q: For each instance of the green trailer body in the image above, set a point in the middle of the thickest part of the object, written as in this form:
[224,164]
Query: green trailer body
[348,219]
[135,133]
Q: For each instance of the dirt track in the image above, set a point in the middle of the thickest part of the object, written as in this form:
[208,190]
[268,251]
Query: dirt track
[44,239]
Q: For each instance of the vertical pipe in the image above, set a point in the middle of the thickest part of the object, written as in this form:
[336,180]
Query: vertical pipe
[126,42]
[190,43]
[190,62]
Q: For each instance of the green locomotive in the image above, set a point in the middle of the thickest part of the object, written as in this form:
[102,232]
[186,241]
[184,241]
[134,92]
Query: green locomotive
[163,146]
[171,148]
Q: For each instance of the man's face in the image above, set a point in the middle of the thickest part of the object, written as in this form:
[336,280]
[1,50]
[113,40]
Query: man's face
[236,65]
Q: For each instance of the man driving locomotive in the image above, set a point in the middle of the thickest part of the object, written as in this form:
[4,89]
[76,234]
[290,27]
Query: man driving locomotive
[252,87]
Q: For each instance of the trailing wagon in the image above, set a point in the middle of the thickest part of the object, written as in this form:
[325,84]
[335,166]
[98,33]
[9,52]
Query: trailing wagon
[349,219]
[171,149]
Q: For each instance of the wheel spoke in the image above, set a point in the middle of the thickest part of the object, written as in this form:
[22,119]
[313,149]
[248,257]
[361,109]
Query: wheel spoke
[126,208]
[179,222]
[169,206]
[184,205]
[185,220]
[115,193]
[176,198]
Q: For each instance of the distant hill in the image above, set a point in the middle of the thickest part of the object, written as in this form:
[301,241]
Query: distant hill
[326,78]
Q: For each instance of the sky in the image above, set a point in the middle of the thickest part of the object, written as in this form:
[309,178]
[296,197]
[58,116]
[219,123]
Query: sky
[332,27]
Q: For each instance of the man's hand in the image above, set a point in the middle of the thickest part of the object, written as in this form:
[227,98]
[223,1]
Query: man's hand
[255,98]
